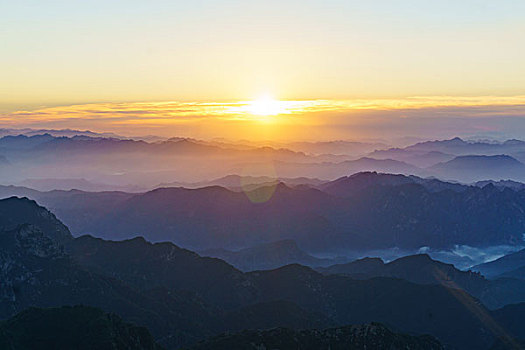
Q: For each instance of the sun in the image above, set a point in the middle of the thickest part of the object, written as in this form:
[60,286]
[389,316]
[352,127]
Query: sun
[266,106]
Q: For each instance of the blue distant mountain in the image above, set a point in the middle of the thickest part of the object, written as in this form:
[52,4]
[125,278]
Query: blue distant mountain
[480,167]
[363,211]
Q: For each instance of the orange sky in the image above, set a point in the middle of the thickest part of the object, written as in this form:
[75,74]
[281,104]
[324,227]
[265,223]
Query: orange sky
[294,120]
[75,52]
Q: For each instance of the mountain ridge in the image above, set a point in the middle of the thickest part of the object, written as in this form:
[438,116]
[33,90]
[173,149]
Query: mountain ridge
[187,304]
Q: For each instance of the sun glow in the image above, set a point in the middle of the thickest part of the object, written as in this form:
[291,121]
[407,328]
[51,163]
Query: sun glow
[266,106]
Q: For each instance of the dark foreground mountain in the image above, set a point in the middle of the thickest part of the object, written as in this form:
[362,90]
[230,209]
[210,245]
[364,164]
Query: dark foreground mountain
[35,271]
[14,211]
[77,327]
[508,344]
[183,298]
[166,297]
[422,269]
[370,336]
[415,268]
[410,307]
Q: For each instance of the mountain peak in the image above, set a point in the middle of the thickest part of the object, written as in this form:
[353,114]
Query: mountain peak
[16,211]
[456,139]
[416,258]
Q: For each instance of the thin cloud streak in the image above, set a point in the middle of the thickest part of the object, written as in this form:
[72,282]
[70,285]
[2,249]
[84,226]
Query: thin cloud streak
[439,116]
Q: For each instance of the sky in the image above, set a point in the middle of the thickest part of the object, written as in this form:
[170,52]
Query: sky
[59,54]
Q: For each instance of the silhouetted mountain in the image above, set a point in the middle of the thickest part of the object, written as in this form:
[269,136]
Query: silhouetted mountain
[74,184]
[22,142]
[415,268]
[460,160]
[517,186]
[365,211]
[478,167]
[370,336]
[334,170]
[82,144]
[54,132]
[237,182]
[350,148]
[175,214]
[75,208]
[35,271]
[128,162]
[267,256]
[77,327]
[358,268]
[424,270]
[435,185]
[457,146]
[380,165]
[140,164]
[359,182]
[350,301]
[421,159]
[182,297]
[14,211]
[145,265]
[503,265]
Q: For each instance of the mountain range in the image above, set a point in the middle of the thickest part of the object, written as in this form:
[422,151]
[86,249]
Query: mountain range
[511,265]
[245,183]
[475,168]
[422,269]
[183,298]
[361,212]
[126,163]
[268,256]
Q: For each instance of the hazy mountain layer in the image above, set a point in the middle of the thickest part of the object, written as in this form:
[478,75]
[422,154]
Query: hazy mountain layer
[364,211]
[117,163]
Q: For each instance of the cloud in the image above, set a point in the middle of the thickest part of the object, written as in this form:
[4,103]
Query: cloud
[429,117]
